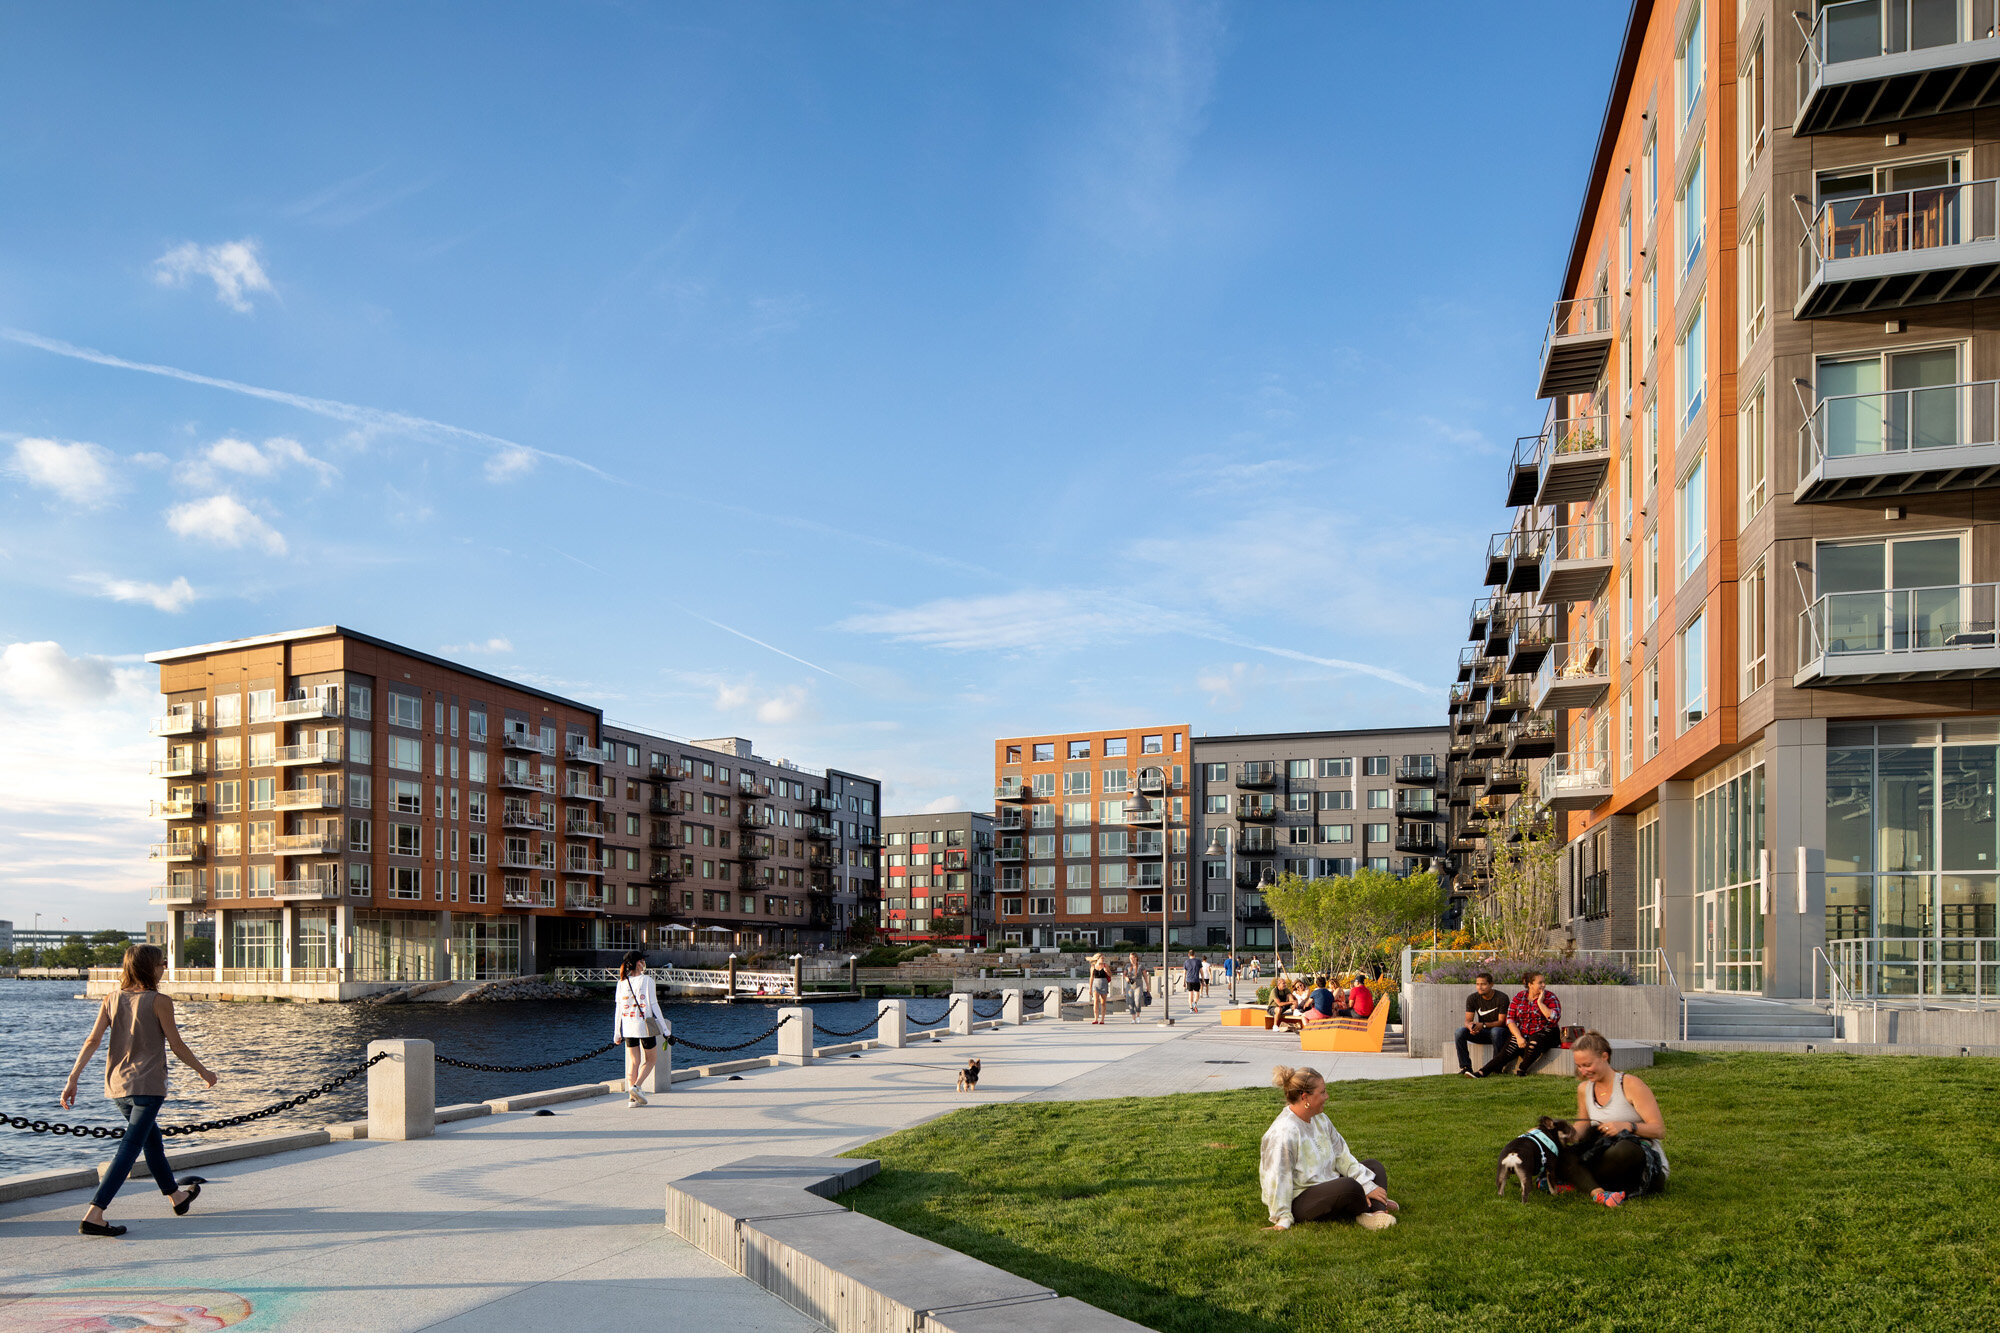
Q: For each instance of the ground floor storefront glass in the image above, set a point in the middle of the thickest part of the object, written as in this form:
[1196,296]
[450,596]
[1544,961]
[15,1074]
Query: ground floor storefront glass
[311,938]
[253,942]
[485,948]
[1729,876]
[394,946]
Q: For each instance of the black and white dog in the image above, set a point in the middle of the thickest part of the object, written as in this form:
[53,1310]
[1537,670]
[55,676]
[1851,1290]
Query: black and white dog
[1534,1156]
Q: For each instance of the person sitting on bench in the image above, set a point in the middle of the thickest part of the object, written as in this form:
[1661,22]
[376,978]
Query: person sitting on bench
[1320,1002]
[1485,1020]
[1359,1001]
[1534,1027]
[1283,1013]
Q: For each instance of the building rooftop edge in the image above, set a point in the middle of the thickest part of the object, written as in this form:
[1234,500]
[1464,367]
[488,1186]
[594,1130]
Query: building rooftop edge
[1607,137]
[1422,729]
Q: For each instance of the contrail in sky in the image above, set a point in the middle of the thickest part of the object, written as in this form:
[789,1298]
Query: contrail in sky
[696,615]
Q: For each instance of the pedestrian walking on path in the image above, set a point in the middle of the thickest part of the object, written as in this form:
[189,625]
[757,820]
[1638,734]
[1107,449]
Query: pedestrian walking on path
[141,1023]
[1100,986]
[1135,987]
[1191,976]
[638,1023]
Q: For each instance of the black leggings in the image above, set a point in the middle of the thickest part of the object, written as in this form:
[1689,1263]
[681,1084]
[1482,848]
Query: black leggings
[1332,1200]
[1622,1166]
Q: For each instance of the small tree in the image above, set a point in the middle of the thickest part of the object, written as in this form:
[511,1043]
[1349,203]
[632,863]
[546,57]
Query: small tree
[75,952]
[197,951]
[1522,905]
[1336,923]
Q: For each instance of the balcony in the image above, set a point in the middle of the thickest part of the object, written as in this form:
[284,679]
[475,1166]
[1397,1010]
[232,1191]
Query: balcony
[309,798]
[1575,463]
[1482,613]
[1010,851]
[307,888]
[520,816]
[1903,634]
[585,900]
[1152,781]
[511,859]
[1421,838]
[1533,634]
[513,739]
[576,750]
[1421,803]
[1261,773]
[1256,807]
[1532,737]
[1506,777]
[1576,781]
[662,805]
[1468,658]
[819,832]
[1489,742]
[1875,62]
[1499,558]
[1145,812]
[1510,699]
[177,766]
[327,843]
[1499,624]
[308,706]
[583,828]
[1524,564]
[582,866]
[185,808]
[662,839]
[1575,347]
[581,789]
[1865,446]
[1576,675]
[1257,842]
[183,720]
[190,852]
[1417,768]
[1577,563]
[177,894]
[312,752]
[1013,791]
[521,779]
[1905,248]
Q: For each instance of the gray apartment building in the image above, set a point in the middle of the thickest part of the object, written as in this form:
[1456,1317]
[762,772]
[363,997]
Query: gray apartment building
[1312,803]
[938,866]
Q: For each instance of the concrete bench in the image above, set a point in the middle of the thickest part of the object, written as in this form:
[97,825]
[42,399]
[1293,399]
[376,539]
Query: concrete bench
[1624,1055]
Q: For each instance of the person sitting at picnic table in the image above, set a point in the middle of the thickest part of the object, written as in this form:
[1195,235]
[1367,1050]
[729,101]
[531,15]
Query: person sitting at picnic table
[1534,1027]
[1283,1010]
[1305,1168]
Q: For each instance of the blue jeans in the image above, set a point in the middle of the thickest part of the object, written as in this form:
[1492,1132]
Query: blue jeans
[142,1134]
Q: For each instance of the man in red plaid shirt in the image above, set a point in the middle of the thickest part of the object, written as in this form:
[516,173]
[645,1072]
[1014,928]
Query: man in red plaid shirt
[1534,1027]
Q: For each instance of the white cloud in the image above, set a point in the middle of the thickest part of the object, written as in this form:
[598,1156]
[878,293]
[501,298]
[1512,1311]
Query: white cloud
[223,520]
[232,266]
[941,805]
[1031,620]
[78,472]
[43,673]
[244,459]
[508,463]
[169,597]
[490,648]
[1225,686]
[788,705]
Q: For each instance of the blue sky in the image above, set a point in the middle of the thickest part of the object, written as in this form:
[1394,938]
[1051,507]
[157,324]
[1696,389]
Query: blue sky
[869,380]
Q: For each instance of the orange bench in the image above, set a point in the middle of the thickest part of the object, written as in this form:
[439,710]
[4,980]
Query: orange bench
[1348,1034]
[1246,1017]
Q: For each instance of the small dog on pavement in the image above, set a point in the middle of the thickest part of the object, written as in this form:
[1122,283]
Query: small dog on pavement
[968,1077]
[1533,1156]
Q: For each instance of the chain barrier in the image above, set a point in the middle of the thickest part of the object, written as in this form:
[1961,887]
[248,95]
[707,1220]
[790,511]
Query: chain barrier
[717,1050]
[912,1021]
[524,1069]
[998,1009]
[226,1122]
[1034,1003]
[870,1025]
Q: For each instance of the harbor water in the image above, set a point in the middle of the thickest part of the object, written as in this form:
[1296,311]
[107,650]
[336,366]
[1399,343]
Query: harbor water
[264,1053]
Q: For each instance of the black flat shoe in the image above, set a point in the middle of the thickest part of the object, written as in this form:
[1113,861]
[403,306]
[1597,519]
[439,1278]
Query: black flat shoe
[99,1229]
[193,1189]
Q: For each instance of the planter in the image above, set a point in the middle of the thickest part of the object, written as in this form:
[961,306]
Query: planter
[1635,1013]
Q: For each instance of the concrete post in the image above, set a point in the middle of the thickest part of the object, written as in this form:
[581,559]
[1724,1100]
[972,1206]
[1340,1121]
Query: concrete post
[853,977]
[221,941]
[1795,837]
[1679,935]
[795,1039]
[176,923]
[732,975]
[662,1077]
[961,1013]
[1052,1002]
[288,931]
[891,1029]
[338,953]
[402,1090]
[1011,1012]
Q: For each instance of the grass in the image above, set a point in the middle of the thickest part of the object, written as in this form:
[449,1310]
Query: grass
[1817,1193]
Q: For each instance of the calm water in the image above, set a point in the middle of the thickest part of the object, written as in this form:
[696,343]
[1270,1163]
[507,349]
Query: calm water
[262,1053]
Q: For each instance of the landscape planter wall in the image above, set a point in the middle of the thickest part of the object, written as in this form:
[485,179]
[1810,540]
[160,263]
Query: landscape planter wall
[1637,1013]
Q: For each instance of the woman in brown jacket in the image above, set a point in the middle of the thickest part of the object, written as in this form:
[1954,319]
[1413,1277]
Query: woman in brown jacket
[141,1023]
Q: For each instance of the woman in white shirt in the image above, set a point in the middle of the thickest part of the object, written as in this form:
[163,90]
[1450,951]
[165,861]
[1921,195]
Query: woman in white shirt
[1630,1158]
[638,1022]
[1307,1172]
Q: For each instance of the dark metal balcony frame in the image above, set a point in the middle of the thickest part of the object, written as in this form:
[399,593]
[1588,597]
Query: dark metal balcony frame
[1257,773]
[1524,470]
[1499,557]
[1424,771]
[1898,249]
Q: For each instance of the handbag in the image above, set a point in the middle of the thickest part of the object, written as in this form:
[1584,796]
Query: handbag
[652,1023]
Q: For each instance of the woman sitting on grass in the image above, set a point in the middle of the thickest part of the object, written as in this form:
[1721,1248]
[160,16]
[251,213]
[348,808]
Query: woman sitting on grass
[1307,1172]
[1627,1159]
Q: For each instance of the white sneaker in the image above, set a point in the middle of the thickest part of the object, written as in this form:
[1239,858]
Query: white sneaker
[1376,1221]
[634,1100]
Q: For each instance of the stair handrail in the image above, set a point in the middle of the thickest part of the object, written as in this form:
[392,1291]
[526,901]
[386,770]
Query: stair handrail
[1836,988]
[1667,971]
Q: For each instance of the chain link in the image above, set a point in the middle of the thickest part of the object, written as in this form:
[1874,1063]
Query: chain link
[928,1022]
[226,1122]
[997,1010]
[697,1046]
[525,1069]
[847,1032]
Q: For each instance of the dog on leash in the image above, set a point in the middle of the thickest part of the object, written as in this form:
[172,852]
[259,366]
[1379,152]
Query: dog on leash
[1533,1157]
[968,1077]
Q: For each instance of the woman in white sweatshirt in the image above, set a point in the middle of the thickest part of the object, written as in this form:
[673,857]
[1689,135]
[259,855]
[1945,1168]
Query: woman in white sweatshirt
[1307,1172]
[638,1022]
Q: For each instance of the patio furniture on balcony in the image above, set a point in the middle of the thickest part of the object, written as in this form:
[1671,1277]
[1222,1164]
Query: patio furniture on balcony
[1903,248]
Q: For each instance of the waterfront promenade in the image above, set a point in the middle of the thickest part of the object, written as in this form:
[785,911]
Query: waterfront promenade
[520,1221]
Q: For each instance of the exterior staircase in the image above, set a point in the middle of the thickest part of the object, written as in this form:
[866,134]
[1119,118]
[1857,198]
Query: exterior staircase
[1753,1018]
[1395,1040]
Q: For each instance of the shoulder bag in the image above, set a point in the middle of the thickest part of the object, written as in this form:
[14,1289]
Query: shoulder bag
[652,1023]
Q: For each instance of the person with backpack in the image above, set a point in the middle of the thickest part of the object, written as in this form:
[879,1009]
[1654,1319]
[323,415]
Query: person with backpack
[638,1022]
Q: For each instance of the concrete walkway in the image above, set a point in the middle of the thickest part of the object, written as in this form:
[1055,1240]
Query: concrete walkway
[524,1221]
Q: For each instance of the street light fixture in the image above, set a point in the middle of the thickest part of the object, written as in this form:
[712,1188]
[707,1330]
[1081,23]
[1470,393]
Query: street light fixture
[1225,837]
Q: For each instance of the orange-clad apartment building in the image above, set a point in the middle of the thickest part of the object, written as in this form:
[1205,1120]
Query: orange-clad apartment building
[1740,632]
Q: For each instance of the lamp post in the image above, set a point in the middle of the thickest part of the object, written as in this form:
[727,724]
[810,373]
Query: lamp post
[1223,836]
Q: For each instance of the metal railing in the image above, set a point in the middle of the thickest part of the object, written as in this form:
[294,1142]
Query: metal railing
[522,740]
[308,798]
[1934,217]
[182,720]
[1870,29]
[1586,314]
[312,752]
[317,843]
[312,705]
[582,752]
[1918,967]
[184,766]
[1860,425]
[1577,541]
[1580,660]
[176,893]
[1909,621]
[308,886]
[1575,775]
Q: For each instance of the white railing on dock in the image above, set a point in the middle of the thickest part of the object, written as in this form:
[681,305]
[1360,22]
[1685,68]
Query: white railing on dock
[706,979]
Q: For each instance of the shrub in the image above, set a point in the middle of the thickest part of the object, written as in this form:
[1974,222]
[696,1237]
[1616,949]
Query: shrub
[1558,971]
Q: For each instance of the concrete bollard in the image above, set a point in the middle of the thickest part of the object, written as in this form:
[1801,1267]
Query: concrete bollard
[961,1013]
[1012,1014]
[662,1077]
[1052,1003]
[402,1090]
[892,1030]
[795,1039]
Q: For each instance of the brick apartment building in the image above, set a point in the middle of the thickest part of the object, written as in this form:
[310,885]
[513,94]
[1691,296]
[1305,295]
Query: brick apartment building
[346,809]
[938,867]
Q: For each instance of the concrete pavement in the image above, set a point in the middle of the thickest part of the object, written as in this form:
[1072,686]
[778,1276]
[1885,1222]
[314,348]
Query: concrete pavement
[525,1221]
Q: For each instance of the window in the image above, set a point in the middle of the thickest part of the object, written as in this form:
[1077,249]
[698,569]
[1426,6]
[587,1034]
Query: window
[406,753]
[1751,281]
[1884,402]
[1692,667]
[1045,752]
[263,793]
[1625,732]
[1114,747]
[406,797]
[1336,800]
[405,710]
[405,881]
[1215,805]
[1079,749]
[1649,314]
[1041,906]
[1750,94]
[1076,782]
[1215,772]
[475,730]
[228,797]
[360,701]
[358,836]
[1753,592]
[1625,608]
[1378,799]
[263,705]
[1649,181]
[1753,453]
[1336,768]
[1691,365]
[1078,812]
[1649,445]
[1336,833]
[1690,66]
[360,878]
[1652,575]
[1376,832]
[1042,845]
[1375,766]
[1691,513]
[1076,844]
[1300,834]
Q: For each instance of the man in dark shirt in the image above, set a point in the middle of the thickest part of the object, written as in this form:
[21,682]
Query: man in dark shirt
[1485,1020]
[1321,999]
[1534,1027]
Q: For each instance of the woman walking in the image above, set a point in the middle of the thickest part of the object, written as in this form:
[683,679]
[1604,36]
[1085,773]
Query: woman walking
[638,1023]
[1100,986]
[1135,987]
[141,1023]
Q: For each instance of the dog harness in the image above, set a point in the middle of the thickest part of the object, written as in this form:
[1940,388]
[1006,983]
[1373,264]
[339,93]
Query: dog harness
[1549,1154]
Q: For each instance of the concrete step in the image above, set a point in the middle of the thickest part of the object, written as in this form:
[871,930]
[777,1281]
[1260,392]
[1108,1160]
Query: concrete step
[1771,1032]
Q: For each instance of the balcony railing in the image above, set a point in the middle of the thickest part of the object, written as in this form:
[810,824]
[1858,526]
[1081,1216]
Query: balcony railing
[176,893]
[1257,842]
[1524,470]
[1900,634]
[1417,768]
[312,752]
[528,860]
[1010,851]
[177,766]
[325,843]
[1575,346]
[582,865]
[1499,557]
[1875,62]
[1905,441]
[308,798]
[1423,838]
[1531,736]
[1576,781]
[522,740]
[1152,781]
[1256,807]
[522,779]
[308,887]
[312,705]
[519,816]
[176,851]
[1259,773]
[1420,803]
[593,901]
[583,828]
[1576,564]
[186,808]
[1575,461]
[1013,791]
[1574,675]
[184,720]
[1903,248]
[1144,812]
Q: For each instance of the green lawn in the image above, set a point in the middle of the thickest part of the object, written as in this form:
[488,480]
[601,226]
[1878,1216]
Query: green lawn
[1809,1193]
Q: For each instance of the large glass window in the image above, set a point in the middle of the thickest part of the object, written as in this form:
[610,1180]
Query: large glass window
[1691,364]
[1690,219]
[1691,514]
[1752,454]
[1693,671]
[1731,895]
[1752,634]
[1890,402]
[1690,67]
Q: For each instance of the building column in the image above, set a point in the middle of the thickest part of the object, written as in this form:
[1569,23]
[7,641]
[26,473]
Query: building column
[221,939]
[339,956]
[288,930]
[1795,839]
[175,923]
[441,959]
[1678,932]
[528,964]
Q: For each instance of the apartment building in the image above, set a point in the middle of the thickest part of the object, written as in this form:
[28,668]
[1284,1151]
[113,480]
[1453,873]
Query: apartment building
[937,877]
[349,810]
[1093,837]
[1747,597]
[1309,803]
